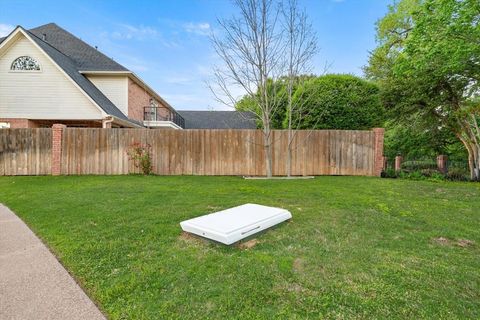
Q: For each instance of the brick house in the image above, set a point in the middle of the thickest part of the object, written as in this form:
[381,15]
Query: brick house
[47,76]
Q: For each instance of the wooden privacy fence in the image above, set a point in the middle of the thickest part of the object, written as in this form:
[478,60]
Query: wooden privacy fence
[188,152]
[25,151]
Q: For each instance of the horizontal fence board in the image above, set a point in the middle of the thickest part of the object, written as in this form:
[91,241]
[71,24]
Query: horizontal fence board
[188,152]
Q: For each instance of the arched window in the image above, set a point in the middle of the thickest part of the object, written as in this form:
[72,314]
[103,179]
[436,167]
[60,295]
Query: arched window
[25,63]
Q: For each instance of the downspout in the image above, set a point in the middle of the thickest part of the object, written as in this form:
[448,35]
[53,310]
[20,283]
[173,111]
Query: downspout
[106,121]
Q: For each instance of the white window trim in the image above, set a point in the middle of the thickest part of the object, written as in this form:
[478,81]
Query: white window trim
[23,70]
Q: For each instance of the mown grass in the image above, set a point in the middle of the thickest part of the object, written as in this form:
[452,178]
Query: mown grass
[356,247]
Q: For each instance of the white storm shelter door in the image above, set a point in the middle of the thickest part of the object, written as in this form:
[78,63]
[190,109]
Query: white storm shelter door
[231,225]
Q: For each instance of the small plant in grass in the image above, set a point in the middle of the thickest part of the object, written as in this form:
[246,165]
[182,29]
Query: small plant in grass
[415,175]
[389,173]
[457,174]
[430,173]
[141,154]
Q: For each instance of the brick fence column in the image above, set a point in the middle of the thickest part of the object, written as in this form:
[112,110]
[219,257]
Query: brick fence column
[442,163]
[378,151]
[398,163]
[57,132]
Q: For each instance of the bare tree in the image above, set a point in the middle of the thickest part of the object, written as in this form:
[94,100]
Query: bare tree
[301,45]
[251,48]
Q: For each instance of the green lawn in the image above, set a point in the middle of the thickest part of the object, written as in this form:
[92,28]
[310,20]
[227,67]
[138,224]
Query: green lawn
[356,247]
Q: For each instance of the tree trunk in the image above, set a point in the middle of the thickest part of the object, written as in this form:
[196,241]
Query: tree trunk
[475,173]
[268,150]
[289,154]
[474,164]
[289,140]
[473,158]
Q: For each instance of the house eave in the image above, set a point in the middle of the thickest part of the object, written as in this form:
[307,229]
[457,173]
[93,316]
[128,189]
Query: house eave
[161,124]
[106,73]
[124,123]
[134,78]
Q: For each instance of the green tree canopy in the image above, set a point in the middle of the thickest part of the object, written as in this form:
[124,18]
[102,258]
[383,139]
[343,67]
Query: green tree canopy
[277,91]
[415,142]
[328,102]
[339,101]
[428,66]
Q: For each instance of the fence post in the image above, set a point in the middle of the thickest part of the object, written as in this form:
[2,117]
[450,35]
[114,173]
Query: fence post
[442,163]
[378,151]
[398,163]
[57,132]
[385,163]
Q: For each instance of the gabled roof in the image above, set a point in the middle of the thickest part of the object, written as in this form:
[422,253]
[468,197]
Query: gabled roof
[218,119]
[73,55]
[71,70]
[83,55]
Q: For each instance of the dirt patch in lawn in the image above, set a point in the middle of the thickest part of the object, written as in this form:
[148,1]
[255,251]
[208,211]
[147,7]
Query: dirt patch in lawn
[192,239]
[442,241]
[298,265]
[295,287]
[213,208]
[248,244]
[464,243]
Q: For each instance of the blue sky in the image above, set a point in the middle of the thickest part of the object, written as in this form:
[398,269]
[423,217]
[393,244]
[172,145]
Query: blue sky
[166,42]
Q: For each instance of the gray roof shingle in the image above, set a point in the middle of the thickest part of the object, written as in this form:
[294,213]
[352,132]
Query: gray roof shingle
[86,57]
[218,119]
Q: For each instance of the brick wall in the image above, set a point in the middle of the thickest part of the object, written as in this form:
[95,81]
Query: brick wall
[378,145]
[26,123]
[57,133]
[138,98]
[19,123]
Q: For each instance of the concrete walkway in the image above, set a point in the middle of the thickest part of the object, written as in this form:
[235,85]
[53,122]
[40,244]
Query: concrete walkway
[33,284]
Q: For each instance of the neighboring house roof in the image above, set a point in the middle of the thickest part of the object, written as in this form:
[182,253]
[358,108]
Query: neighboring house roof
[83,55]
[218,119]
[73,55]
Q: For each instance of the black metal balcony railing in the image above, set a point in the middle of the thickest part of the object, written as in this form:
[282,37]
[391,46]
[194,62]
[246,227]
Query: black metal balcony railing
[163,114]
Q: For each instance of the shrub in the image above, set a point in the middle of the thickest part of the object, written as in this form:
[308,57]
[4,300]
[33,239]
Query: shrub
[426,170]
[389,173]
[457,174]
[141,156]
[418,165]
[339,101]
[437,176]
[414,175]
[430,173]
[425,174]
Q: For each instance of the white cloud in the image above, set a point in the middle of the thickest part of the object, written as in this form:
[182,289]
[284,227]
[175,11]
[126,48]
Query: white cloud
[128,32]
[132,62]
[5,29]
[138,33]
[201,28]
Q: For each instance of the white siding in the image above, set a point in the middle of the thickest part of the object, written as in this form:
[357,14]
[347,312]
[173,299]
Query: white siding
[45,94]
[115,88]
